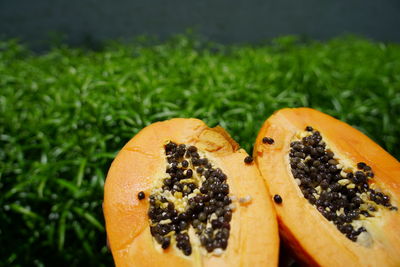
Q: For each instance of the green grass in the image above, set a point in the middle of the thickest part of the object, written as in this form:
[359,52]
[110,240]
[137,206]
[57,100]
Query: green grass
[64,114]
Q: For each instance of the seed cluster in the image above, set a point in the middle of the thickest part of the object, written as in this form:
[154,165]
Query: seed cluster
[204,192]
[340,194]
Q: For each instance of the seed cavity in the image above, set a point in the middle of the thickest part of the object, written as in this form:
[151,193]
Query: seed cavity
[192,196]
[344,195]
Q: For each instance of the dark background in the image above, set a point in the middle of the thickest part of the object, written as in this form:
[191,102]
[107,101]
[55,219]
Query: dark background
[79,22]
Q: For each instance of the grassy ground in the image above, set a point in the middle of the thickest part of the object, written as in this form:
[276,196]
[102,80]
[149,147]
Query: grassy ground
[65,113]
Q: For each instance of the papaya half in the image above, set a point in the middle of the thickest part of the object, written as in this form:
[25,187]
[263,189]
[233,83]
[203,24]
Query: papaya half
[182,194]
[335,191]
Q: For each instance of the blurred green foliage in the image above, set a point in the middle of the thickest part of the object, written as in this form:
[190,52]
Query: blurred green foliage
[64,115]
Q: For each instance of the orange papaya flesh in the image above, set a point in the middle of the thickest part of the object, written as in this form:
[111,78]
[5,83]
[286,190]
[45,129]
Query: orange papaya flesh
[180,194]
[336,191]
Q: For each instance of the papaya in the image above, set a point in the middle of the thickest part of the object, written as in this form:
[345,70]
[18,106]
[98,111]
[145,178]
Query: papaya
[182,194]
[335,191]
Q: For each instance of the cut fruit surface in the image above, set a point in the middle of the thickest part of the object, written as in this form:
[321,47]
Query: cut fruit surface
[181,194]
[336,192]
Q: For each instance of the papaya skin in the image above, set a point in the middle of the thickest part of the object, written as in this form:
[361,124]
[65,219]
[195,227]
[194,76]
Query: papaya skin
[315,240]
[254,238]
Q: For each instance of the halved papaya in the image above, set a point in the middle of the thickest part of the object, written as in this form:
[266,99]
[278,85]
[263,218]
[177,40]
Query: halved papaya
[336,192]
[181,194]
